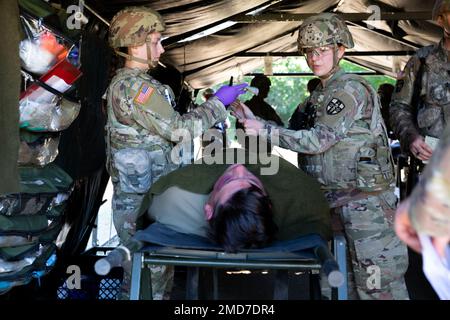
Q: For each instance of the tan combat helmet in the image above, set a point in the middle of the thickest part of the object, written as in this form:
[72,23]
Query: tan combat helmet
[131,26]
[440,6]
[323,30]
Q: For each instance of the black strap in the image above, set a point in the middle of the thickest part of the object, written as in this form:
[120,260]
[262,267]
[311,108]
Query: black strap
[49,88]
[54,91]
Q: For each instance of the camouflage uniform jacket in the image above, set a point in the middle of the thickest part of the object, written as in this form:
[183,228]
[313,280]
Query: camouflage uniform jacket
[430,201]
[141,117]
[433,111]
[347,147]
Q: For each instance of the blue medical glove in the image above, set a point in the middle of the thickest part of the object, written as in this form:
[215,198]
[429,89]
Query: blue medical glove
[227,94]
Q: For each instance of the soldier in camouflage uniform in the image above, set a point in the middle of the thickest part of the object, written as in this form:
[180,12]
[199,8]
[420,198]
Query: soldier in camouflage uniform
[427,210]
[429,70]
[345,147]
[142,122]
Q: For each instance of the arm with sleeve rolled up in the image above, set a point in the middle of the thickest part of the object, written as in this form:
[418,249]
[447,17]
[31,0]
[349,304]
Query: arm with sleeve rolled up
[402,111]
[429,211]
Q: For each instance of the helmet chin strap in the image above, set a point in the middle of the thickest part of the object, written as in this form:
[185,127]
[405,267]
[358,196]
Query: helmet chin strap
[152,63]
[148,62]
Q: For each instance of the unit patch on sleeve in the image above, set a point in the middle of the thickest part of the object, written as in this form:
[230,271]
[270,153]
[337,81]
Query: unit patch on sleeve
[144,94]
[335,106]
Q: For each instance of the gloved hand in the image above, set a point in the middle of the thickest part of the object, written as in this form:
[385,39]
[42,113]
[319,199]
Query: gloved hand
[227,94]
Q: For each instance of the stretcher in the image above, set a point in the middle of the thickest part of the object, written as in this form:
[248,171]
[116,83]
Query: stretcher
[163,246]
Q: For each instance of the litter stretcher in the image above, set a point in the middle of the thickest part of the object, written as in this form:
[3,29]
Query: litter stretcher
[160,245]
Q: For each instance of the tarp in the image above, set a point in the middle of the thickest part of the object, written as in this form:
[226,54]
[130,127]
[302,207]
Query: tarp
[211,59]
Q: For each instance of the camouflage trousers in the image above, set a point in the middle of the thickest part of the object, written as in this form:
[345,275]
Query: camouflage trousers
[125,208]
[378,258]
[162,282]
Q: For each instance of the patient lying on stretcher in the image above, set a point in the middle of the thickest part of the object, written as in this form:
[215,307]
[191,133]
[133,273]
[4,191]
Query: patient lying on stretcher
[237,207]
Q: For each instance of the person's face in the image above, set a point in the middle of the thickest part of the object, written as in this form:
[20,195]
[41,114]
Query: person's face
[152,47]
[234,179]
[444,21]
[321,60]
[156,48]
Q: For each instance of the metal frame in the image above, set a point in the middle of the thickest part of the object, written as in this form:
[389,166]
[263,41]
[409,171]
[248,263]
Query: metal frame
[347,54]
[310,74]
[183,257]
[340,252]
[353,16]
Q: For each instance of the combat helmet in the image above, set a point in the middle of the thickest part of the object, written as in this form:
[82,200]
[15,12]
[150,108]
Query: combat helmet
[130,26]
[440,6]
[322,30]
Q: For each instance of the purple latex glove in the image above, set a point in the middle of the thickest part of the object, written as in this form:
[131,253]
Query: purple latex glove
[227,94]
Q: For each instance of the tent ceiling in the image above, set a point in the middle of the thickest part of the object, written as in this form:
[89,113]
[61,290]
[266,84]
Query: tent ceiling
[212,59]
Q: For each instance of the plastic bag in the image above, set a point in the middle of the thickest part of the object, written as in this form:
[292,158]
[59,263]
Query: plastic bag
[38,150]
[41,49]
[54,116]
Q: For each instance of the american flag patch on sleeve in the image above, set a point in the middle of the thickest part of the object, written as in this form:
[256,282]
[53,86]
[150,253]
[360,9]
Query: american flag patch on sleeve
[144,93]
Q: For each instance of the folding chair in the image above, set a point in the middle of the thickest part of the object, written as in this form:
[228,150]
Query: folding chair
[167,247]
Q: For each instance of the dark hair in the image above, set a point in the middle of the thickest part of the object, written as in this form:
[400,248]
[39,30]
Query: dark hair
[245,221]
[260,81]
